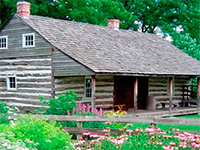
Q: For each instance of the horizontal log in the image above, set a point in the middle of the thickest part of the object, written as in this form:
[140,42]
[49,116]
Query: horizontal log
[22,72]
[94,130]
[103,102]
[18,94]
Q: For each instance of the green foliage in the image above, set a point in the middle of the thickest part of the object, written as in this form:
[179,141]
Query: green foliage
[6,111]
[40,134]
[150,16]
[6,144]
[115,113]
[62,104]
[186,43]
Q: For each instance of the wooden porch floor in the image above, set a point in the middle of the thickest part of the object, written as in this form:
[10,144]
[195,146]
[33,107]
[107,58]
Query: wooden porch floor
[164,112]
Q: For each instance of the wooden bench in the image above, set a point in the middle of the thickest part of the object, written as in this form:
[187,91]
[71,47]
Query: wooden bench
[163,100]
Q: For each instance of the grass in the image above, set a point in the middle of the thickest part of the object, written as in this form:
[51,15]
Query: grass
[190,116]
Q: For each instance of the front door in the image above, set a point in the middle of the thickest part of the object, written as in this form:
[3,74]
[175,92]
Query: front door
[123,91]
[142,92]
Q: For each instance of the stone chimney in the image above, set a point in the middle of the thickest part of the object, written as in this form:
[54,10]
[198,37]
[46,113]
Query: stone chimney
[114,24]
[23,8]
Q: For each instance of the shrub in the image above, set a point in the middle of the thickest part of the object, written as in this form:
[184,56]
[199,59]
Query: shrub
[6,111]
[62,104]
[40,134]
[6,144]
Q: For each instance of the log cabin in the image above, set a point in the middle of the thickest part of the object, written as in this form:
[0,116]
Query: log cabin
[105,66]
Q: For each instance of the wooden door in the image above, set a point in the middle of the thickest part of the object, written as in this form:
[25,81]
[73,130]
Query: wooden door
[142,92]
[123,91]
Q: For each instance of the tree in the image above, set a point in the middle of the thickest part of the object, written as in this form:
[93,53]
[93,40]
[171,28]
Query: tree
[179,19]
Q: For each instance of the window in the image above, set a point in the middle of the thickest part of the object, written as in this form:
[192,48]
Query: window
[12,83]
[88,87]
[3,42]
[28,40]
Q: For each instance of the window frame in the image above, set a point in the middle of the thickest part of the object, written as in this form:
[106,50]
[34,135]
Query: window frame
[6,37]
[24,40]
[85,88]
[8,83]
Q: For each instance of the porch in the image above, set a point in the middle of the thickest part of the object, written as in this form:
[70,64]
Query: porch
[163,112]
[144,96]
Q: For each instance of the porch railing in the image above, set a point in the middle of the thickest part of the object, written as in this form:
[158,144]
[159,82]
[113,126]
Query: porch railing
[189,92]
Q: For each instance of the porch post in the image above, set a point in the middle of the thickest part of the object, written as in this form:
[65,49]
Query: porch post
[198,92]
[135,95]
[93,92]
[170,93]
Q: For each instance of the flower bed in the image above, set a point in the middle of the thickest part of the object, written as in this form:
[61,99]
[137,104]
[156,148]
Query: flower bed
[139,139]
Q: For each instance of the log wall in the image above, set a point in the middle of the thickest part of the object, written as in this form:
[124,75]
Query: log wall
[14,30]
[31,66]
[63,65]
[103,94]
[159,91]
[104,91]
[33,79]
[179,82]
[62,84]
[158,86]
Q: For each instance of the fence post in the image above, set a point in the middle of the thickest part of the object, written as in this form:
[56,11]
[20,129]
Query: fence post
[153,124]
[79,126]
[198,93]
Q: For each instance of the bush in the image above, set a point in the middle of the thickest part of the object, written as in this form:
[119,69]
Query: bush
[6,111]
[40,134]
[64,102]
[6,144]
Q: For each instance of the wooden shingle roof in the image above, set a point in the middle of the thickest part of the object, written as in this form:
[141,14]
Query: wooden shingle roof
[109,51]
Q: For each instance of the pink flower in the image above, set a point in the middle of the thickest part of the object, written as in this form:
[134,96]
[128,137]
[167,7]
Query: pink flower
[100,112]
[101,137]
[162,132]
[83,109]
[117,141]
[81,141]
[166,147]
[95,111]
[157,129]
[94,135]
[183,144]
[86,133]
[187,133]
[106,130]
[68,113]
[172,143]
[129,131]
[74,111]
[138,130]
[149,130]
[195,144]
[167,136]
[88,108]
[79,105]
[93,142]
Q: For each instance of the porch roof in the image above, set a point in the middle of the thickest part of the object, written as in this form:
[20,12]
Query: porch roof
[108,51]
